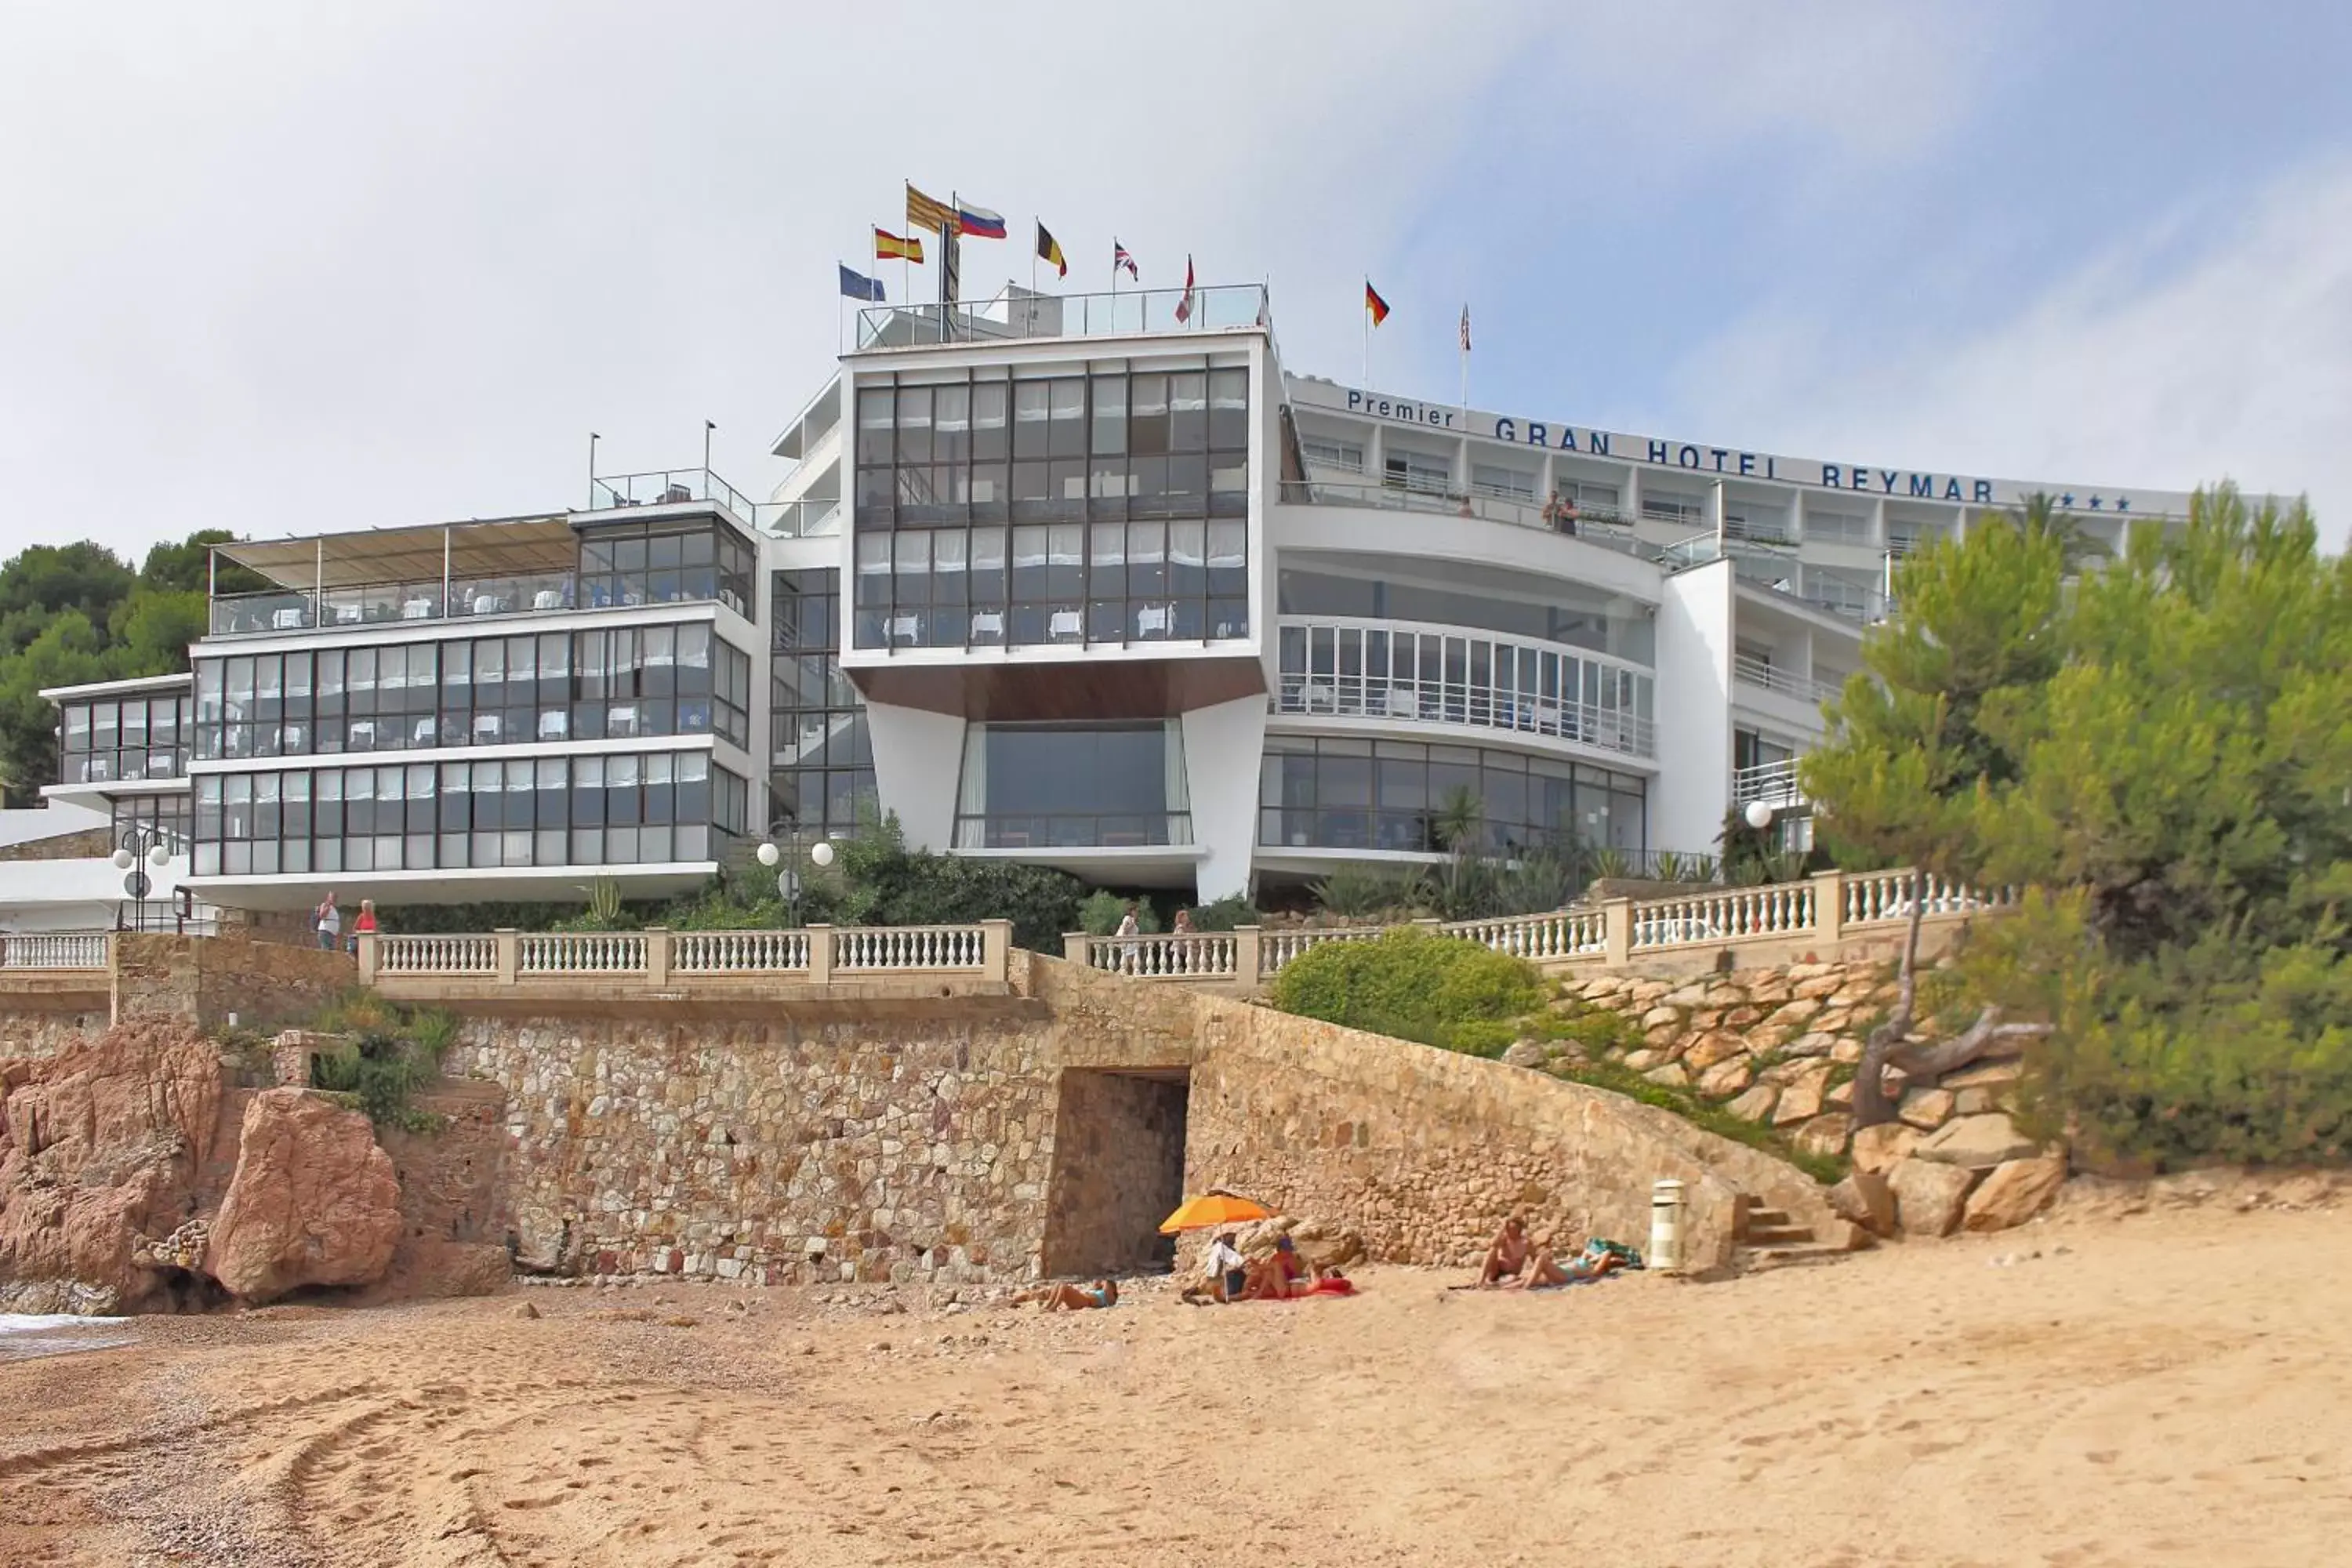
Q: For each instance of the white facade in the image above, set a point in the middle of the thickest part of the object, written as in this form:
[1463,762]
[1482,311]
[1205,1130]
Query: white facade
[1069,580]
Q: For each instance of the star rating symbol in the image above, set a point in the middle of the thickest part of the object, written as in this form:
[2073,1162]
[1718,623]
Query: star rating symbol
[2123,503]
[2095,503]
[2067,500]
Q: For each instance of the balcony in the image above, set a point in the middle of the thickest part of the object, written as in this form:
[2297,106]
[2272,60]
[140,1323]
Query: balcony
[815,517]
[1018,314]
[1774,783]
[1767,677]
[1775,569]
[1074,830]
[668,487]
[1605,527]
[380,604]
[1397,673]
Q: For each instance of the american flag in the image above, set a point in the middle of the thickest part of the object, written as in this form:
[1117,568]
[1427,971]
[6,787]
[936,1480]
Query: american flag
[1120,258]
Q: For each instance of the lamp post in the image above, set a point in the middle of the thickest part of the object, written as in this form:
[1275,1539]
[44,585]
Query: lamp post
[141,842]
[773,854]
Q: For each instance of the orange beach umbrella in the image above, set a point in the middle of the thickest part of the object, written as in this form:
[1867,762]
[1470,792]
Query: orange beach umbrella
[1212,1209]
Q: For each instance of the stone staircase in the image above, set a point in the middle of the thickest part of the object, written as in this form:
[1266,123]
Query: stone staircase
[1767,1237]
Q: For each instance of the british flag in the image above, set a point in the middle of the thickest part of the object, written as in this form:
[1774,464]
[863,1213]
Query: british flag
[1120,258]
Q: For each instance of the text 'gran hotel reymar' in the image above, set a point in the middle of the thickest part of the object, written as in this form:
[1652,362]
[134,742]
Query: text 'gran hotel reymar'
[1065,579]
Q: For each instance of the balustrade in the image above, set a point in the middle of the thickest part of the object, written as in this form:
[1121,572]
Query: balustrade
[53,949]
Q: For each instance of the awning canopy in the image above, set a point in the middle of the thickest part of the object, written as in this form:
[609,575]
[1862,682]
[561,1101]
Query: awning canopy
[499,547]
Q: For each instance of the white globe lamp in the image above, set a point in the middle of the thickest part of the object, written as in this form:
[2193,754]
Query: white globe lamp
[768,854]
[161,854]
[123,858]
[1760,816]
[821,853]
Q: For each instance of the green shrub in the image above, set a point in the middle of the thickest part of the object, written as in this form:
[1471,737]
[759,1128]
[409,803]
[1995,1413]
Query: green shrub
[1357,891]
[1227,913]
[395,1053]
[1101,910]
[1414,986]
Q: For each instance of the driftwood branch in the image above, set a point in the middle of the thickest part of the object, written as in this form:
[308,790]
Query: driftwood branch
[1976,1040]
[1871,1106]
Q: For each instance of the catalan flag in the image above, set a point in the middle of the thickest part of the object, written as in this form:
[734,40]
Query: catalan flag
[925,216]
[1374,303]
[1050,249]
[889,246]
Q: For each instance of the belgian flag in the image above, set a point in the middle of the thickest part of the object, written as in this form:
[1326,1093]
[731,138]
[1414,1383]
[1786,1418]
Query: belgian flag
[1050,249]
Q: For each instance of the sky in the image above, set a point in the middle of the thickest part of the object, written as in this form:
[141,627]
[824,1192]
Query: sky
[287,268]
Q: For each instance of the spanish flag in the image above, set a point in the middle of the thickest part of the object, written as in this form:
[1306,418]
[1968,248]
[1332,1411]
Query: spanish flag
[1374,303]
[889,246]
[1050,249]
[925,216]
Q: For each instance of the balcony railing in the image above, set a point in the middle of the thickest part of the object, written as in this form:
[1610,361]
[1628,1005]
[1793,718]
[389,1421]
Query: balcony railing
[1226,308]
[560,962]
[1775,569]
[1768,676]
[1820,910]
[667,486]
[815,518]
[1605,527]
[1774,783]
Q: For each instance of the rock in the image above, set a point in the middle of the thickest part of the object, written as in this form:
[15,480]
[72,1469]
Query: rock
[1978,1143]
[1665,1039]
[1826,1134]
[1928,1196]
[1726,1078]
[1840,1095]
[1710,1049]
[2015,1191]
[1525,1054]
[1974,1102]
[314,1201]
[1642,1061]
[100,1146]
[1756,1104]
[1847,1050]
[1926,1109]
[1815,988]
[1878,1149]
[1797,1012]
[1740,1018]
[1865,1198]
[523,1309]
[1673,1075]
[1801,1100]
[1832,1020]
[1985,1075]
[1662,1017]
[1814,1044]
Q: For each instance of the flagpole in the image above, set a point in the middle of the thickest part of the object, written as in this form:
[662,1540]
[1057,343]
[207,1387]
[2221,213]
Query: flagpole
[1364,306]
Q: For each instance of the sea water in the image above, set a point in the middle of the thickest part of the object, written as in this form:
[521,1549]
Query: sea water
[24,1335]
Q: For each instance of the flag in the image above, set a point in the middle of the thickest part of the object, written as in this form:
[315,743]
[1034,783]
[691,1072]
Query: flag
[1374,303]
[858,286]
[889,246]
[1050,249]
[925,216]
[1465,329]
[1120,258]
[1184,305]
[980,223]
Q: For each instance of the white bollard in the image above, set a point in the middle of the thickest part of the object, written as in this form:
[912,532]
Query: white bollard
[1665,1227]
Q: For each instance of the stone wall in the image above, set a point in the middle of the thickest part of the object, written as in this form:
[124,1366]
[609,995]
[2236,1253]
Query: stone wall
[205,979]
[83,844]
[31,1030]
[915,1144]
[1118,1143]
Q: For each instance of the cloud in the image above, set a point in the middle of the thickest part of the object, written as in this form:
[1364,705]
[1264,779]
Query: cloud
[2181,355]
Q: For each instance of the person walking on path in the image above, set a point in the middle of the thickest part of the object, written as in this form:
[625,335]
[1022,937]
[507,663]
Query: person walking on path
[329,921]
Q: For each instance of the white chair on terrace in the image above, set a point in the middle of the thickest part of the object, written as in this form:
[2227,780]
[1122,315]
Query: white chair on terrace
[555,724]
[1402,705]
[548,599]
[1065,626]
[287,619]
[1150,620]
[988,624]
[416,610]
[487,728]
[621,720]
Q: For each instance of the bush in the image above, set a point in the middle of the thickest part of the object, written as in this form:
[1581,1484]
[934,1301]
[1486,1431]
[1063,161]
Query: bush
[1357,891]
[1439,990]
[396,1052]
[877,880]
[1101,910]
[1227,913]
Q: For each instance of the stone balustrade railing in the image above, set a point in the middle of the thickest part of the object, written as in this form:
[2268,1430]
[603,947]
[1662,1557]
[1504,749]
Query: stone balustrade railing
[1822,910]
[65,950]
[671,961]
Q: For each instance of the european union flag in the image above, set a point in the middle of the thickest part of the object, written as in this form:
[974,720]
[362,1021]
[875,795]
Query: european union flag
[858,286]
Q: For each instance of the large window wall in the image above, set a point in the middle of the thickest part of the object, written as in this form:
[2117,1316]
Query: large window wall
[665,562]
[648,808]
[1104,507]
[1432,591]
[821,755]
[1035,786]
[1433,677]
[1344,793]
[610,683]
[111,739]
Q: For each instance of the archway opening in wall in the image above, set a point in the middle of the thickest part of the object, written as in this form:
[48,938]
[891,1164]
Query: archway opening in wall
[1118,1170]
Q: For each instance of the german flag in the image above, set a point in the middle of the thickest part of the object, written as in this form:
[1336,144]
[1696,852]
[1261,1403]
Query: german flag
[1050,249]
[1374,303]
[925,216]
[889,246]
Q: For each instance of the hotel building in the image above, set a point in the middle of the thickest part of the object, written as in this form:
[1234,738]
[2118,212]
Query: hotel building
[1077,581]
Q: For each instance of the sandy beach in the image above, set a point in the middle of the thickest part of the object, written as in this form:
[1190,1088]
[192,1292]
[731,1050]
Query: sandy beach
[2166,1388]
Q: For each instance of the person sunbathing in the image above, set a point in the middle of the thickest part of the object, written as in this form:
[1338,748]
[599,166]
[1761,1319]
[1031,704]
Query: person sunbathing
[1506,1255]
[1059,1298]
[1545,1271]
[1281,1275]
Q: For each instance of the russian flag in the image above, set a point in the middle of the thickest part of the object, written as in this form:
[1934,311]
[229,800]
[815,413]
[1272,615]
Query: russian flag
[978,221]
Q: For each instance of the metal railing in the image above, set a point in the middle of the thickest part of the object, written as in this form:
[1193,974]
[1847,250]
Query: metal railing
[1074,830]
[1774,783]
[811,519]
[1822,910]
[667,486]
[1775,571]
[1224,308]
[58,950]
[1606,526]
[1749,670]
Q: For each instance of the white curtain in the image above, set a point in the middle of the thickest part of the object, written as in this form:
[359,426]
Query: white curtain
[971,798]
[1179,791]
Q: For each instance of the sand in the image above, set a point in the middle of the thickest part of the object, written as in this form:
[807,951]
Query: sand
[2170,1388]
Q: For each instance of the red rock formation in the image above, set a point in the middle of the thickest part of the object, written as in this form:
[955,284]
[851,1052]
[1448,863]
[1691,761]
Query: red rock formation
[314,1201]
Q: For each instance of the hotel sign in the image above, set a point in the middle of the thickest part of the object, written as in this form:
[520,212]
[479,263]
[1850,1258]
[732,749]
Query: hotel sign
[1710,462]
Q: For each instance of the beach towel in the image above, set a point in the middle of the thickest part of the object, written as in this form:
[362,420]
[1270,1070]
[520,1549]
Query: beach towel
[1322,1287]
